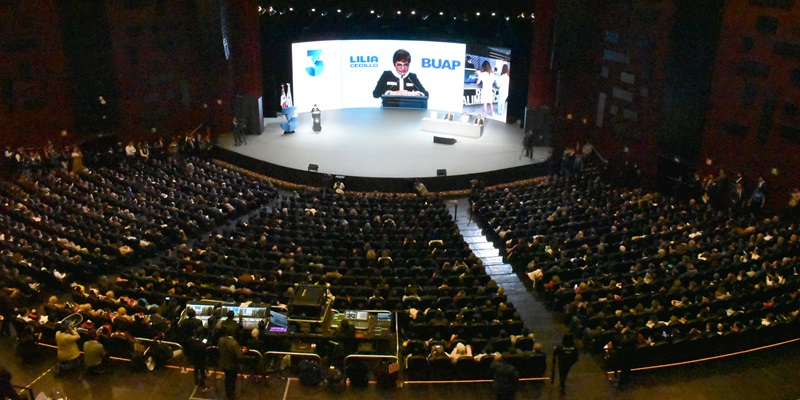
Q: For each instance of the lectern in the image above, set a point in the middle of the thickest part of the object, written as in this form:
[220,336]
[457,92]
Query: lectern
[416,102]
[316,118]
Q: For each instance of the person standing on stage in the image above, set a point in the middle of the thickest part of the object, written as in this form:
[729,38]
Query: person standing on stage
[399,82]
[239,129]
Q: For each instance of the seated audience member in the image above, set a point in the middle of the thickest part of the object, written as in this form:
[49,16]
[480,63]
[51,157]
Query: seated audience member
[460,350]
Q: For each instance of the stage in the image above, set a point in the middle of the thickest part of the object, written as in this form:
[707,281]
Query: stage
[372,144]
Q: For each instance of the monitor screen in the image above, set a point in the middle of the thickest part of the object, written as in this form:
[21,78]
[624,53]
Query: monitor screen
[361,315]
[202,310]
[254,312]
[384,316]
[225,310]
[350,314]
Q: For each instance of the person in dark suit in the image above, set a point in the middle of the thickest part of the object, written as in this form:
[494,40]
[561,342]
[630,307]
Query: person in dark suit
[565,356]
[399,82]
[7,390]
[230,354]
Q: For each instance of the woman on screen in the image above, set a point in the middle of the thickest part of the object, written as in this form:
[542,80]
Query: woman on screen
[486,80]
[399,82]
[502,90]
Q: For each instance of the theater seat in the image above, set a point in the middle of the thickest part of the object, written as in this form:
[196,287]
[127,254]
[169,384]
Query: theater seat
[417,368]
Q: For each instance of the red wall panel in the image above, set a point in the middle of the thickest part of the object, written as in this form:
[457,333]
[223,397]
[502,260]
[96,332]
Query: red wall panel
[34,105]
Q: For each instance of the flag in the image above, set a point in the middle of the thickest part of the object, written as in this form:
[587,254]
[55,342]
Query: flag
[289,100]
[284,103]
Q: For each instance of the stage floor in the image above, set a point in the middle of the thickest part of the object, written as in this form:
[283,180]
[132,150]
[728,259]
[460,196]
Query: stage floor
[384,143]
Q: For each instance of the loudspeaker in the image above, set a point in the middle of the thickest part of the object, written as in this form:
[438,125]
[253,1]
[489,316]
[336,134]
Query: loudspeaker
[443,140]
[539,121]
[441,172]
[313,167]
[248,110]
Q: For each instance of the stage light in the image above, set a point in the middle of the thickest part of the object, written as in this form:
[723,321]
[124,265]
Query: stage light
[399,12]
[372,11]
[478,14]
[508,18]
[313,10]
[272,11]
[291,9]
[413,12]
[441,12]
[338,10]
[324,13]
[493,14]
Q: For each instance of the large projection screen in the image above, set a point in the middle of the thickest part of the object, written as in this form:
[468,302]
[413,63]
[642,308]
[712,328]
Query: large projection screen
[337,74]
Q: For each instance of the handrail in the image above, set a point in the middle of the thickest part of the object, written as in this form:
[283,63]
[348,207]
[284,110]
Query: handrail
[21,390]
[294,353]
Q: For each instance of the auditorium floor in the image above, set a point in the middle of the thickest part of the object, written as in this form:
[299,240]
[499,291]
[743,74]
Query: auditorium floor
[768,374]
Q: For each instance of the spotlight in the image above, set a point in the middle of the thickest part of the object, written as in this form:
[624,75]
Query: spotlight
[338,10]
[399,12]
[508,18]
[441,12]
[493,14]
[478,14]
[315,10]
[272,11]
[413,12]
[291,9]
[324,13]
[372,11]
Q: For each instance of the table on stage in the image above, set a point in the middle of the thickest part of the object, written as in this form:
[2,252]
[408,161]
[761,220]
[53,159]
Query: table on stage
[455,128]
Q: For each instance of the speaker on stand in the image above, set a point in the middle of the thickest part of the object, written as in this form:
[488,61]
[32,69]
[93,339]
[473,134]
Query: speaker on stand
[248,110]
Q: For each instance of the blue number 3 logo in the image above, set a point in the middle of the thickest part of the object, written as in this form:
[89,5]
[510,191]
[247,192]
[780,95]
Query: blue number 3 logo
[316,69]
